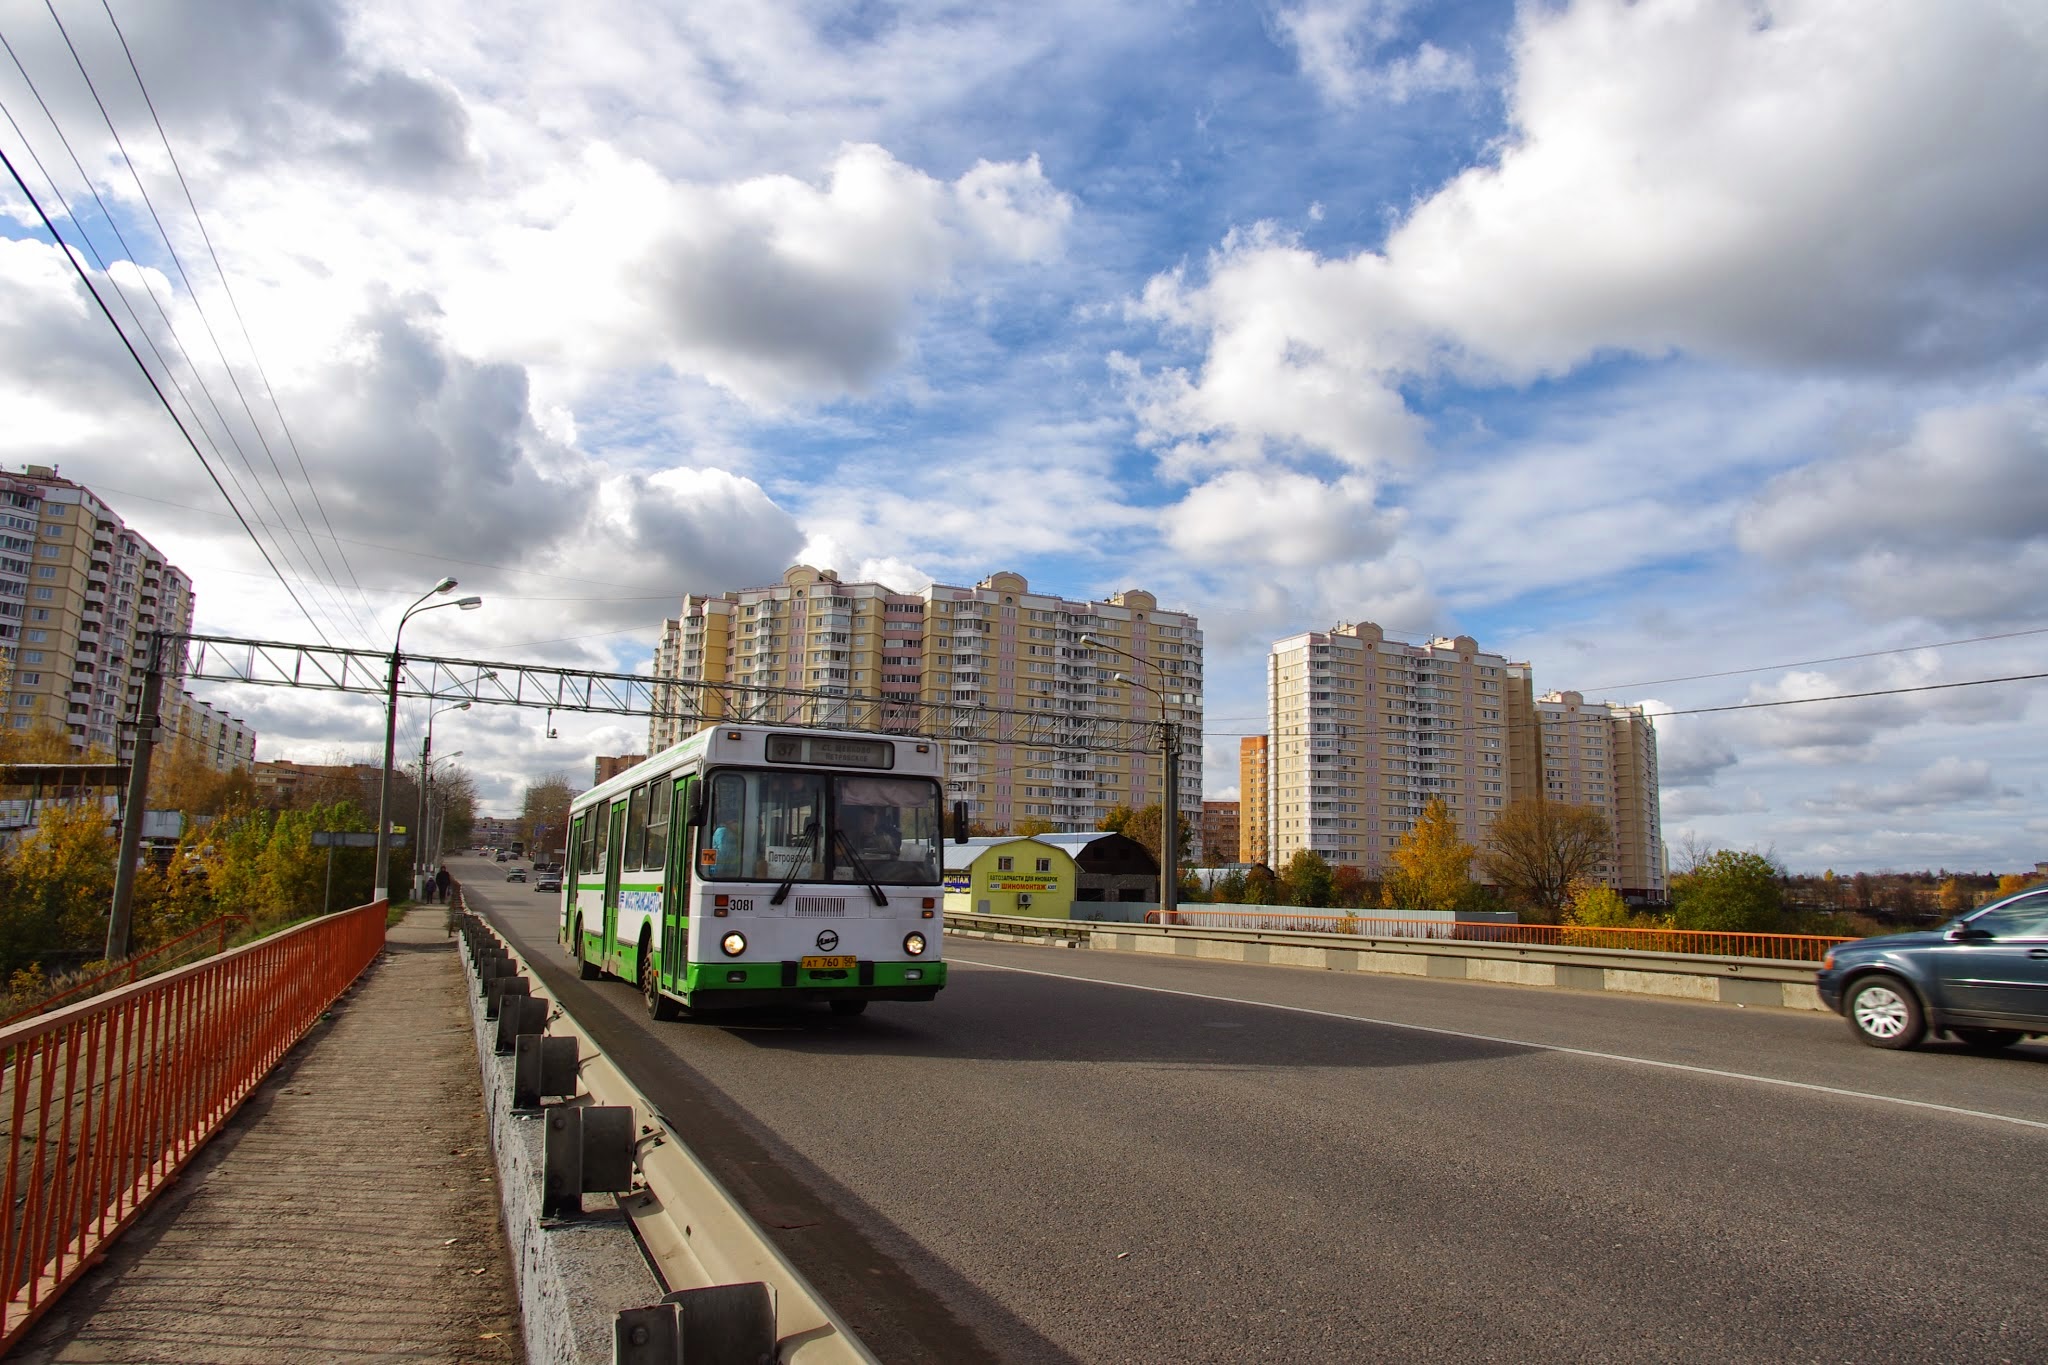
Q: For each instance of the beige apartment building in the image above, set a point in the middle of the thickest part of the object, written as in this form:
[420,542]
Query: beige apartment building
[1604,755]
[996,645]
[1364,731]
[78,591]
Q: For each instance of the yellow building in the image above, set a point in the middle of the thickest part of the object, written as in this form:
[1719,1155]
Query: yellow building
[1021,876]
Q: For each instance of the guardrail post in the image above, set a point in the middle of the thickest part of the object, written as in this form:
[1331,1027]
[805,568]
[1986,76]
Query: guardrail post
[542,1066]
[519,1014]
[496,992]
[720,1324]
[588,1150]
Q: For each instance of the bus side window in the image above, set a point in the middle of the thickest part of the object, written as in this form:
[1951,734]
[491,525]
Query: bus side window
[660,794]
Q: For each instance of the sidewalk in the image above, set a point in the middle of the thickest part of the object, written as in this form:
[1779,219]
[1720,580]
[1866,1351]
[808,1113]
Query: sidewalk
[345,1214]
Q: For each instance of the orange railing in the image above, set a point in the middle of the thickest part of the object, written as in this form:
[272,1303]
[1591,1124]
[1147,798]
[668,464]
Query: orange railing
[190,944]
[107,1099]
[1781,947]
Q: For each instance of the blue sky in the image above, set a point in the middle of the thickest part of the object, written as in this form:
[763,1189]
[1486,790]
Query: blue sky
[1640,341]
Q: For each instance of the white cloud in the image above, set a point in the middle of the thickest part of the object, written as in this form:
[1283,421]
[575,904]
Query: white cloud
[1947,784]
[1339,42]
[1281,519]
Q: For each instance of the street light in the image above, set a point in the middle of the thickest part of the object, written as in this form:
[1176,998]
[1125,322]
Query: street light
[383,880]
[1169,777]
[430,819]
[426,750]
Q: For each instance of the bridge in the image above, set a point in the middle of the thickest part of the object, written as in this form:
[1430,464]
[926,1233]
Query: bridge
[1177,1154]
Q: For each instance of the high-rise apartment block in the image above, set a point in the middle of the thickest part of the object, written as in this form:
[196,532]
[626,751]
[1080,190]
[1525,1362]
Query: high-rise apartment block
[996,645]
[1254,842]
[1364,731]
[609,766]
[1604,755]
[1218,843]
[78,591]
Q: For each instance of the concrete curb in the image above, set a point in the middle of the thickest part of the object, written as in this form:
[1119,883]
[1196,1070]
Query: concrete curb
[572,1277]
[1672,975]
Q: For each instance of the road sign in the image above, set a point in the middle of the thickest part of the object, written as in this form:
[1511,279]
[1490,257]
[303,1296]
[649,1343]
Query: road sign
[349,838]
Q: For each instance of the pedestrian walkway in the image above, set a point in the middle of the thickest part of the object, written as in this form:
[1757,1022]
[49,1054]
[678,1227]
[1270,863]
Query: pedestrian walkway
[346,1214]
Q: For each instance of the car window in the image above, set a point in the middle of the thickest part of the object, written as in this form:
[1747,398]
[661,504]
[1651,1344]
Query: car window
[2023,918]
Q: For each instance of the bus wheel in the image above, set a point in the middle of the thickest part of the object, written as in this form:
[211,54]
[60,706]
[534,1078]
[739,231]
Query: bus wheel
[849,1006]
[584,968]
[659,1006]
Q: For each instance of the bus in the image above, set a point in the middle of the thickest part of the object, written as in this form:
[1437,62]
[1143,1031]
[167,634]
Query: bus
[762,865]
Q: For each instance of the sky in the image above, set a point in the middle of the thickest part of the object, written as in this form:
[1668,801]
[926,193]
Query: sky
[1693,351]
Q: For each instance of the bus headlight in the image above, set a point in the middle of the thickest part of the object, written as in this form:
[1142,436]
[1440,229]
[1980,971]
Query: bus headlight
[733,944]
[913,944]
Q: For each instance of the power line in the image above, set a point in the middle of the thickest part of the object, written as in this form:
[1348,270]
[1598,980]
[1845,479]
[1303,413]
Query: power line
[177,262]
[1831,659]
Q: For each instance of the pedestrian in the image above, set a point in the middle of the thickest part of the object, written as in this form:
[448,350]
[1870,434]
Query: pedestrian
[441,880]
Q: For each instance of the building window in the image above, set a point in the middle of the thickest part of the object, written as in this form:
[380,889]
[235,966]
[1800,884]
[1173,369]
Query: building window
[1003,864]
[1045,864]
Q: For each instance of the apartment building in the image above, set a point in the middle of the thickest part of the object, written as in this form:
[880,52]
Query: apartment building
[203,730]
[1364,731]
[1604,755]
[1218,843]
[78,591]
[1254,796]
[609,766]
[996,645]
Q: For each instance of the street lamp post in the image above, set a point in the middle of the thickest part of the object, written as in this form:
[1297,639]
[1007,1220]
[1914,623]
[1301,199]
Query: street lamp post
[1169,776]
[383,879]
[426,757]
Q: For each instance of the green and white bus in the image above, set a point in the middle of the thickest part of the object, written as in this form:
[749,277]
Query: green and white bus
[756,865]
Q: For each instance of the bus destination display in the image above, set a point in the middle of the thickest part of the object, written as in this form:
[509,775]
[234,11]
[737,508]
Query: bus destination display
[831,751]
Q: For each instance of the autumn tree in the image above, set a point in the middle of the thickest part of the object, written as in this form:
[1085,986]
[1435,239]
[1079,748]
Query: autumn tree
[1143,826]
[544,815]
[181,779]
[1306,880]
[1730,890]
[2012,883]
[1538,850]
[1597,905]
[1351,889]
[1431,865]
[1037,824]
[58,883]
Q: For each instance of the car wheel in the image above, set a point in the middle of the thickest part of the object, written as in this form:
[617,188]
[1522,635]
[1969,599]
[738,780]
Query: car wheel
[659,1006]
[1884,1012]
[1987,1039]
[584,967]
[849,1006]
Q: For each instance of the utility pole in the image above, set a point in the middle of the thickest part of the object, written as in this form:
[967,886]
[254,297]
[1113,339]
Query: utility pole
[1169,867]
[119,920]
[420,824]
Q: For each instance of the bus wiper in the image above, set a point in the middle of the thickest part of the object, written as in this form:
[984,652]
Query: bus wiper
[796,862]
[874,887]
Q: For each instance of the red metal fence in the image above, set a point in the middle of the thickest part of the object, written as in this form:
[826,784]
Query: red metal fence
[207,938]
[106,1100]
[1779,947]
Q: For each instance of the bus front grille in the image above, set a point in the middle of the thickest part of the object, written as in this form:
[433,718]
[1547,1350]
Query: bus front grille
[820,905]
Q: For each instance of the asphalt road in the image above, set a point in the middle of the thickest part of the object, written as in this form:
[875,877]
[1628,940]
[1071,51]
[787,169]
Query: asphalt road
[1076,1156]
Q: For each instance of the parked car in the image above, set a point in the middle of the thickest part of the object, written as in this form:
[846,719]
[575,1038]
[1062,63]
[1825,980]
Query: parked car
[1982,979]
[548,881]
[517,874]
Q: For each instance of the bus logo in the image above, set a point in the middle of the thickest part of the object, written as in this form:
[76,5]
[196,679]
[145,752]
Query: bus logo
[827,941]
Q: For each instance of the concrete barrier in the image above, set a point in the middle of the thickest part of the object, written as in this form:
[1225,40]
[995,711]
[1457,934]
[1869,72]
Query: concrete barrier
[1685,976]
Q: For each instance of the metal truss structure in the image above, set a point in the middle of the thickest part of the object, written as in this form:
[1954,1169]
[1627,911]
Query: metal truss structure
[326,668]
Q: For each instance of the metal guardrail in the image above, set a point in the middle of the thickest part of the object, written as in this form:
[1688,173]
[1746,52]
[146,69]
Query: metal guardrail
[106,1100]
[1689,942]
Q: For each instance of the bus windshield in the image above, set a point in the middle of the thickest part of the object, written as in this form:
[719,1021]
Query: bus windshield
[767,825]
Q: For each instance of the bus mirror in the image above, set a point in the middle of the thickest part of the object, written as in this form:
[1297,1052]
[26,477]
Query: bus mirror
[959,822]
[694,816]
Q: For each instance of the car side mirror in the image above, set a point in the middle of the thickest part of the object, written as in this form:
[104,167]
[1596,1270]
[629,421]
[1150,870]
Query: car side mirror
[1968,933]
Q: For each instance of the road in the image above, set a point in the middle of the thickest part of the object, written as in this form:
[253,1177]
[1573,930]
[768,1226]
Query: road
[1077,1156]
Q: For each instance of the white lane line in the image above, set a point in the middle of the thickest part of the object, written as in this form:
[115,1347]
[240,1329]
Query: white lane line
[1522,1042]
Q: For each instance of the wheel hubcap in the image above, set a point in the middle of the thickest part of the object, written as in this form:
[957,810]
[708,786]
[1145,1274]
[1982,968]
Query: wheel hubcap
[1881,1013]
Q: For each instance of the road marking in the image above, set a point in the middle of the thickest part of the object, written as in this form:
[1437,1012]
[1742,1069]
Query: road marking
[1522,1042]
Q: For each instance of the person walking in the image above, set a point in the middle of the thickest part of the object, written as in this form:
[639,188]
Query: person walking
[441,880]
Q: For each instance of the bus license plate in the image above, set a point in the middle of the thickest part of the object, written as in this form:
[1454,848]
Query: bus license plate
[827,964]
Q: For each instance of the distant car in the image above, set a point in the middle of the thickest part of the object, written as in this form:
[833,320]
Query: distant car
[517,874]
[503,858]
[1982,978]
[548,881]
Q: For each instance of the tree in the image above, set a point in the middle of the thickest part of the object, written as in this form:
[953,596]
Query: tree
[1539,850]
[544,816]
[1730,890]
[1598,906]
[2013,883]
[1143,826]
[1228,888]
[1351,889]
[58,883]
[1037,824]
[1432,865]
[1306,880]
[1261,887]
[1952,898]
[182,780]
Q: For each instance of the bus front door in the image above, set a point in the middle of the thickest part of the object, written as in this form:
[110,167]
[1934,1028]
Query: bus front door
[675,890]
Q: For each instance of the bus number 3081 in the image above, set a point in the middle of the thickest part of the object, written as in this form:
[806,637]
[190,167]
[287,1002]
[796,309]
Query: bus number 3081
[743,905]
